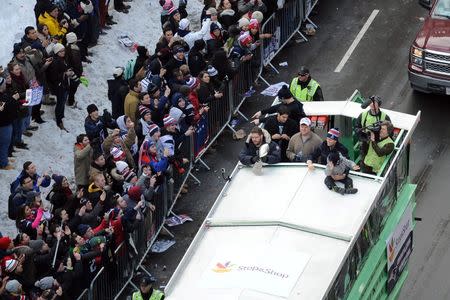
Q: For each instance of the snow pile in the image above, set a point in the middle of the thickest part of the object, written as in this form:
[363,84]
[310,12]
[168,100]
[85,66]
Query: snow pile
[50,148]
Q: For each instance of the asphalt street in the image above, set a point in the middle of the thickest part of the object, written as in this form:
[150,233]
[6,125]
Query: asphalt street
[378,65]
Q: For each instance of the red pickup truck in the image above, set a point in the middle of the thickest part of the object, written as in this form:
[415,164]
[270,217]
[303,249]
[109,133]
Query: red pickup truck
[429,58]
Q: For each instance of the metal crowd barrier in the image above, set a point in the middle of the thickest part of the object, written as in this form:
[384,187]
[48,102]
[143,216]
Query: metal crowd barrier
[283,25]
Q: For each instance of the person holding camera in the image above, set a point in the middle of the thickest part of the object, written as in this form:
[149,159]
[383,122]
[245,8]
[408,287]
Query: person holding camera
[379,147]
[368,118]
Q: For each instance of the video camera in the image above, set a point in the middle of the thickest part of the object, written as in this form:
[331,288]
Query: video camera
[375,128]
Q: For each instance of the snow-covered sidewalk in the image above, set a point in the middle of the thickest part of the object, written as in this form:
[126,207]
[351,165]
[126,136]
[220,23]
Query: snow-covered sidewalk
[51,148]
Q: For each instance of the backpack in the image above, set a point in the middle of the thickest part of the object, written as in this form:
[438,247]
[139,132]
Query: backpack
[129,69]
[12,209]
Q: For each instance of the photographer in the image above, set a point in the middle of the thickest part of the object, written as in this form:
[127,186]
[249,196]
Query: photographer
[368,118]
[378,148]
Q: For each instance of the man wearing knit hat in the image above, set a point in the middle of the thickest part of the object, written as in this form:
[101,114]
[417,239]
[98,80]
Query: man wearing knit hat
[191,36]
[117,91]
[331,143]
[295,107]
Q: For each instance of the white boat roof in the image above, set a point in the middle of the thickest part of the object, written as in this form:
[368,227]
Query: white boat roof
[286,213]
[296,211]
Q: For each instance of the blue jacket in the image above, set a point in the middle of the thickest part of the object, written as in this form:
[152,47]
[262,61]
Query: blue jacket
[45,182]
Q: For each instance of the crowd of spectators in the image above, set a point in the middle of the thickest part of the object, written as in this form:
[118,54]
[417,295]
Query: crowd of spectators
[125,154]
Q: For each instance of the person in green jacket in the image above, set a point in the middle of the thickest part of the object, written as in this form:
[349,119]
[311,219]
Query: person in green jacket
[304,88]
[146,290]
[378,150]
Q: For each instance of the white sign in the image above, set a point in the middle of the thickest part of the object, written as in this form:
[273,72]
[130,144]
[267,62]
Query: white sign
[273,89]
[268,271]
[33,96]
[399,236]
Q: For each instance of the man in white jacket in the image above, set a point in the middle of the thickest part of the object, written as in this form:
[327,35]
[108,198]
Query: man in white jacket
[191,36]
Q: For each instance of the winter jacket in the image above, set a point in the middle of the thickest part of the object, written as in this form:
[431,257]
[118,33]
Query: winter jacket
[320,155]
[251,150]
[227,18]
[192,36]
[73,59]
[273,127]
[124,145]
[82,158]
[95,129]
[45,182]
[52,24]
[196,62]
[299,150]
[295,108]
[130,105]
[10,109]
[56,74]
[117,91]
[245,6]
[342,166]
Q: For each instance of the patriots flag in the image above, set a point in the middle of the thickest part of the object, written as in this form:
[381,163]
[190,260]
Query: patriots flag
[201,135]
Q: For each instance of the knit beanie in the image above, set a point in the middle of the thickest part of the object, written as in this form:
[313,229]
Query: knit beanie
[58,179]
[45,283]
[212,71]
[121,166]
[13,286]
[284,93]
[168,120]
[243,22]
[58,47]
[10,265]
[71,38]
[4,242]
[334,134]
[117,154]
[143,111]
[134,193]
[152,129]
[82,229]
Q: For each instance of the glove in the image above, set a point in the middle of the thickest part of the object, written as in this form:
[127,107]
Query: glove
[107,117]
[254,159]
[264,159]
[74,23]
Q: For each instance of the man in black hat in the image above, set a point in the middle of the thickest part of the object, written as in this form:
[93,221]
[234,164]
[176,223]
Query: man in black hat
[286,98]
[304,88]
[146,290]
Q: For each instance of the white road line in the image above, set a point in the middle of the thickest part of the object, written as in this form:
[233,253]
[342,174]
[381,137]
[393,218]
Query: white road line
[357,40]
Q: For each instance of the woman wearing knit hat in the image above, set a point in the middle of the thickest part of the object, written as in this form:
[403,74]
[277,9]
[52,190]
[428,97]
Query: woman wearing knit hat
[58,78]
[216,41]
[74,62]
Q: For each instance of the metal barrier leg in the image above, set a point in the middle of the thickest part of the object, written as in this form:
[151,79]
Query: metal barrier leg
[195,178]
[273,68]
[263,80]
[166,231]
[145,271]
[231,128]
[302,35]
[312,23]
[204,164]
[242,115]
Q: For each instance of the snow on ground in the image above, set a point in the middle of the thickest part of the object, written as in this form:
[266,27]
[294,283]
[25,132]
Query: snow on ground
[50,148]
